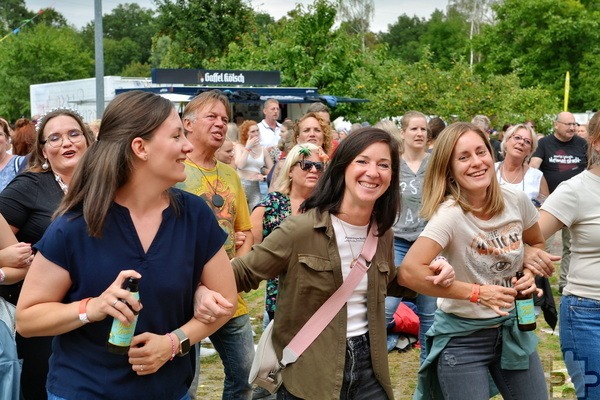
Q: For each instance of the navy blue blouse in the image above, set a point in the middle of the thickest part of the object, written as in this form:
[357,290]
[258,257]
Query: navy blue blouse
[80,366]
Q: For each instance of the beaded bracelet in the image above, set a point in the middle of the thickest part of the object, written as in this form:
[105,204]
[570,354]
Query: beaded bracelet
[2,276]
[440,258]
[172,346]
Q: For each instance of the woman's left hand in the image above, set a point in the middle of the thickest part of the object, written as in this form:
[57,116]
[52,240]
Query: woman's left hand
[539,262]
[444,272]
[526,284]
[149,352]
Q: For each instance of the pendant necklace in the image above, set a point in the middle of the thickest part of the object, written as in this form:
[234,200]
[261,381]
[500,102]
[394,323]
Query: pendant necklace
[62,185]
[513,182]
[349,242]
[217,200]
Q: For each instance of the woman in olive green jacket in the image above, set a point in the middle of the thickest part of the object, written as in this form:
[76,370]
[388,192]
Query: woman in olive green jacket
[312,252]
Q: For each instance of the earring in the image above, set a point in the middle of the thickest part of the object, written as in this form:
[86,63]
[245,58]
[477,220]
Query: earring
[45,165]
[145,157]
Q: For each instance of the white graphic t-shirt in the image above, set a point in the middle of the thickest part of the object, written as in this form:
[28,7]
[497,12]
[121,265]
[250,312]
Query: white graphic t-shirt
[485,252]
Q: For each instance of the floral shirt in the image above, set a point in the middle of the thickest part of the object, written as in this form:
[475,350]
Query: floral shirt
[277,208]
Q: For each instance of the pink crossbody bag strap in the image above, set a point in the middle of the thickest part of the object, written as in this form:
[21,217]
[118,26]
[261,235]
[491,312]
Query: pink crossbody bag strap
[320,319]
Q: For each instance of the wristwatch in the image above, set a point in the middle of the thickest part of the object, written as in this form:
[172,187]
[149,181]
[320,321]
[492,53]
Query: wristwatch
[184,342]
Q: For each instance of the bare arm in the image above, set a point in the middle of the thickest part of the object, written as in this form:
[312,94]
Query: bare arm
[415,269]
[40,311]
[535,162]
[268,161]
[247,246]
[544,191]
[256,218]
[15,257]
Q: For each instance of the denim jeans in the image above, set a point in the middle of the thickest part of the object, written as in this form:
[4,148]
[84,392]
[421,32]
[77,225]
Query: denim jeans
[466,363]
[359,380]
[579,330]
[235,345]
[426,305]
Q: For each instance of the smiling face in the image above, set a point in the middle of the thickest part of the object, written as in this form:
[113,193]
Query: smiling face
[472,166]
[415,134]
[368,176]
[310,131]
[305,179]
[64,158]
[167,149]
[208,129]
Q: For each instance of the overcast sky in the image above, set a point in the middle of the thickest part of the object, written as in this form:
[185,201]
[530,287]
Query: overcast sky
[80,12]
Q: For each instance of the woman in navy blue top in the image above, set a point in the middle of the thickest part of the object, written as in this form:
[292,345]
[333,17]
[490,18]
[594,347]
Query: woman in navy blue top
[121,219]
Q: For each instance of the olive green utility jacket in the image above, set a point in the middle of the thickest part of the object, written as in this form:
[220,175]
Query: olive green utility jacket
[303,252]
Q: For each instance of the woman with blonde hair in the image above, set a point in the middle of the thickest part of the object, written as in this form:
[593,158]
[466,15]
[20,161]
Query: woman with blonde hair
[517,146]
[252,161]
[480,228]
[297,179]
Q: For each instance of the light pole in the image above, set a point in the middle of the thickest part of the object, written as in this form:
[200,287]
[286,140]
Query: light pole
[99,56]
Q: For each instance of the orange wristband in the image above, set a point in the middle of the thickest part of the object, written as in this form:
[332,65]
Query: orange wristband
[475,293]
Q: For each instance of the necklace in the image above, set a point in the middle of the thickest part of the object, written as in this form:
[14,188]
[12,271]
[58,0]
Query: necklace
[349,240]
[504,175]
[63,186]
[217,200]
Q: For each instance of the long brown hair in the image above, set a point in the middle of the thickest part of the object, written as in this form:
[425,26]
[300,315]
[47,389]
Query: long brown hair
[108,163]
[439,183]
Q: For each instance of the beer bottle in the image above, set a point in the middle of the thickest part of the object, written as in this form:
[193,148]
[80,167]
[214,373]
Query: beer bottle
[525,309]
[119,338]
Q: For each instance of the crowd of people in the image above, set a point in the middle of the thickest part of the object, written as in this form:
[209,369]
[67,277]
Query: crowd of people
[203,206]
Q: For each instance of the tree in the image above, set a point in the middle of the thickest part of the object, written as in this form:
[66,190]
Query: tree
[539,41]
[39,54]
[404,37]
[128,31]
[201,29]
[447,37]
[356,15]
[12,14]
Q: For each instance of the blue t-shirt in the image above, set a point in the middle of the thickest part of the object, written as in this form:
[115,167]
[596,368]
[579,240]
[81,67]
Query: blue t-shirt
[81,366]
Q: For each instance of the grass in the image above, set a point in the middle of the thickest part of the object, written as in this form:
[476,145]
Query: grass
[403,366]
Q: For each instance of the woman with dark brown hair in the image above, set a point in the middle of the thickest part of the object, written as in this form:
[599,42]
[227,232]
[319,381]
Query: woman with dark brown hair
[28,203]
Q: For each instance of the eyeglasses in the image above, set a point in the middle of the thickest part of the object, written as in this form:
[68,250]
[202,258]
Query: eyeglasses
[569,124]
[519,138]
[56,140]
[306,165]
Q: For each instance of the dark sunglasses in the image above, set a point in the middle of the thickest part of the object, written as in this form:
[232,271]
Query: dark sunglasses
[306,165]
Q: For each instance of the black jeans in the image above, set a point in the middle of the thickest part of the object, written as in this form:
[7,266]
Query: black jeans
[359,380]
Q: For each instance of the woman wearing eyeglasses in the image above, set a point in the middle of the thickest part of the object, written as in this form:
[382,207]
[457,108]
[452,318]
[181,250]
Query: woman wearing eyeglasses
[518,145]
[28,203]
[298,177]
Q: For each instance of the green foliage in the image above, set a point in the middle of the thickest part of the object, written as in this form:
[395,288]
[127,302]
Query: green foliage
[137,69]
[540,40]
[201,29]
[12,15]
[394,88]
[128,31]
[39,54]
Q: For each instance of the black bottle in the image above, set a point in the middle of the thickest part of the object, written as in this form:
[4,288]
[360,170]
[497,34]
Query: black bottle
[119,338]
[525,309]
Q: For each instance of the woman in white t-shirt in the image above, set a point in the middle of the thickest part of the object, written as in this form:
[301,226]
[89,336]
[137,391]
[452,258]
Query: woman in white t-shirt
[481,228]
[574,204]
[518,145]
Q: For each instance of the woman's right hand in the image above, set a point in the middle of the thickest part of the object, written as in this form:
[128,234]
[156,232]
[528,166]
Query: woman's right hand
[18,255]
[112,301]
[254,141]
[497,298]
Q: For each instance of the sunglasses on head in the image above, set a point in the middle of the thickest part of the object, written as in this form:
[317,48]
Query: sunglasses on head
[306,165]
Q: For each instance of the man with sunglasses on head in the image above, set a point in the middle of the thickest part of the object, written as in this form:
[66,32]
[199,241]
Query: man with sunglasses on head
[560,157]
